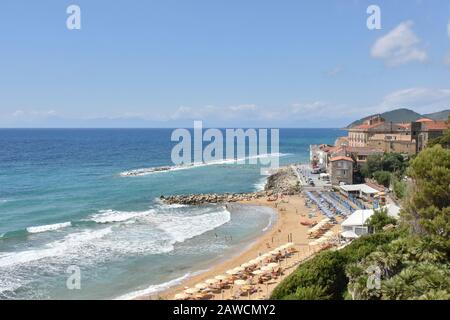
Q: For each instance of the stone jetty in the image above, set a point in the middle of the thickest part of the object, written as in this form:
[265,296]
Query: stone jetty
[284,181]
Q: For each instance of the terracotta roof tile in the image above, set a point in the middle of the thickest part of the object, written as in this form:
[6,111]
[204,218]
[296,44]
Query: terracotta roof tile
[424,120]
[341,158]
[436,125]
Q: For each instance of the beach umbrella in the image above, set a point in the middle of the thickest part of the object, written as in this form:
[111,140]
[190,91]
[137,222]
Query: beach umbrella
[289,244]
[201,285]
[254,261]
[240,282]
[246,265]
[221,277]
[266,268]
[192,290]
[265,256]
[211,281]
[239,269]
[232,272]
[180,296]
[257,272]
[272,265]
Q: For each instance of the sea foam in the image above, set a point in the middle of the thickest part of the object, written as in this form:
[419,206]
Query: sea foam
[56,248]
[110,216]
[48,227]
[154,288]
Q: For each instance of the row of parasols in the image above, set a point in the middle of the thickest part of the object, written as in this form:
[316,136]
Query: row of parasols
[259,266]
[327,236]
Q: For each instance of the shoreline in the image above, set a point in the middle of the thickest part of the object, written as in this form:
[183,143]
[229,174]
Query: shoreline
[289,211]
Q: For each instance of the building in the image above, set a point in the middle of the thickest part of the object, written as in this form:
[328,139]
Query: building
[359,153]
[430,129]
[406,138]
[358,136]
[393,142]
[362,191]
[341,170]
[356,222]
[318,155]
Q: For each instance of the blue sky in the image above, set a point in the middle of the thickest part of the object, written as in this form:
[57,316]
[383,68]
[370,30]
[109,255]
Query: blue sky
[230,63]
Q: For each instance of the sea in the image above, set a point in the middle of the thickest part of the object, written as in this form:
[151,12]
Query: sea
[75,225]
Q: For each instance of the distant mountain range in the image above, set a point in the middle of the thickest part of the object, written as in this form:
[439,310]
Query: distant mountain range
[405,115]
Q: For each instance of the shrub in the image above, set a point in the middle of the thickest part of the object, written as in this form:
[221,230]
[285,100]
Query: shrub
[382,177]
[327,270]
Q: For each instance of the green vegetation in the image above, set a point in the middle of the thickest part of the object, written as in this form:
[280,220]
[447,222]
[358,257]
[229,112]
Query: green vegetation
[385,168]
[410,262]
[399,187]
[382,177]
[379,220]
[388,162]
[324,275]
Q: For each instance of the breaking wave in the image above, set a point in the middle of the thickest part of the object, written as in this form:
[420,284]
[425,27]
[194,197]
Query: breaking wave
[48,227]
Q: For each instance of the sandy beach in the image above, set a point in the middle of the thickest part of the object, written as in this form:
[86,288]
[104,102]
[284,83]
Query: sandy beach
[290,209]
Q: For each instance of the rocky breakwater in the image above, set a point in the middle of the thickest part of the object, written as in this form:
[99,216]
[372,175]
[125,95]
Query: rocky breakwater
[284,181]
[198,199]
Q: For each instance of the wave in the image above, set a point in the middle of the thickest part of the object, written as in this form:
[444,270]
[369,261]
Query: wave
[154,288]
[152,170]
[110,216]
[182,228]
[261,184]
[273,216]
[52,249]
[48,227]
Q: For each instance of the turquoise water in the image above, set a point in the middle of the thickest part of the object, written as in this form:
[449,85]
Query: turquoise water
[64,203]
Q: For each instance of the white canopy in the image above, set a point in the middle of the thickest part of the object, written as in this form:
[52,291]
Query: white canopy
[357,218]
[364,188]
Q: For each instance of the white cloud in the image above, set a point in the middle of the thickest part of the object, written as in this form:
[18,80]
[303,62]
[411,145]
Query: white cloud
[33,113]
[422,100]
[399,46]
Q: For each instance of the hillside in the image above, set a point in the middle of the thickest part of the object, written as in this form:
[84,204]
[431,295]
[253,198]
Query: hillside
[405,115]
[441,115]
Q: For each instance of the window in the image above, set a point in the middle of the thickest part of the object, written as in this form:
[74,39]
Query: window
[360,230]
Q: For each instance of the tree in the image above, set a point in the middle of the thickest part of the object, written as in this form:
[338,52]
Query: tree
[427,209]
[379,219]
[382,177]
[399,187]
[388,162]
